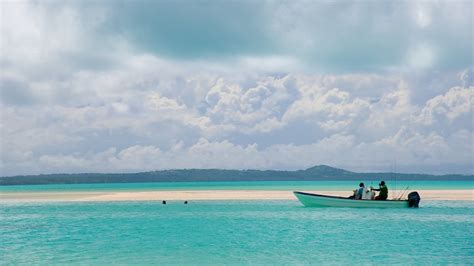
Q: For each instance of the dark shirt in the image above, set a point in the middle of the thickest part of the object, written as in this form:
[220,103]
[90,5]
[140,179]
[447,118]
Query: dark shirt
[383,192]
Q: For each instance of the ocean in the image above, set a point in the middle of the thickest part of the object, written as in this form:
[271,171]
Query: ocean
[237,185]
[234,232]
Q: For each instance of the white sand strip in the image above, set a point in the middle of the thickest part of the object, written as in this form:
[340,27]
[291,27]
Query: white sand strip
[206,195]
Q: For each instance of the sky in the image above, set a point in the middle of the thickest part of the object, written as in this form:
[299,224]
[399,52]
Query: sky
[130,86]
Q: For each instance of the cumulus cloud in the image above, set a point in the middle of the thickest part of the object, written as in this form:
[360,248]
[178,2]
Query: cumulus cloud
[249,108]
[457,103]
[80,95]
[147,130]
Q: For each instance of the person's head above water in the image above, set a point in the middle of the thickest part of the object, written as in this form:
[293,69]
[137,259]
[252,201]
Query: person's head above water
[361,185]
[382,183]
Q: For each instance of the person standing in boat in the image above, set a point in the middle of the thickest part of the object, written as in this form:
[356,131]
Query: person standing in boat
[383,194]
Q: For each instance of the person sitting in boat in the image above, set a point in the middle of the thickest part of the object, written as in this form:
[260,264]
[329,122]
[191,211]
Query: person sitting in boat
[358,192]
[383,194]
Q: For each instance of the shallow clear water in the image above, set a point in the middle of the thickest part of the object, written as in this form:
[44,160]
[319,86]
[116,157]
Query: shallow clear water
[255,185]
[234,232]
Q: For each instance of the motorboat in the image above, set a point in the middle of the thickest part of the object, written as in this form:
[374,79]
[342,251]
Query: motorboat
[317,200]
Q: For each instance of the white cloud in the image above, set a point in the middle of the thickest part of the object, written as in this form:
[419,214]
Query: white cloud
[404,148]
[69,104]
[452,105]
[467,78]
[151,131]
[254,108]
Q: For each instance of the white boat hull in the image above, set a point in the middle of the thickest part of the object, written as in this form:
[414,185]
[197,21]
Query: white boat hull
[315,200]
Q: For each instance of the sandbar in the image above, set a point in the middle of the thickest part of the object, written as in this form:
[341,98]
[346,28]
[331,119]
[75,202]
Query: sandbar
[467,194]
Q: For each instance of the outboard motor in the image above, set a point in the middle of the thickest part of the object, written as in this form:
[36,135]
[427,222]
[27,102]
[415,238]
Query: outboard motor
[413,199]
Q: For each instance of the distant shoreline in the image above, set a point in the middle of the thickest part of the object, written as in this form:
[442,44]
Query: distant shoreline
[316,173]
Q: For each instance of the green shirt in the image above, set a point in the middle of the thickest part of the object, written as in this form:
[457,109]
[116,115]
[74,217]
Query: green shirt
[383,192]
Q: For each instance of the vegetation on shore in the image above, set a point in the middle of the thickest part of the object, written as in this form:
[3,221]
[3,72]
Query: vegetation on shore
[320,172]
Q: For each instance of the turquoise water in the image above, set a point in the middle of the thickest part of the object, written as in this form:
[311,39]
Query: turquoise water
[234,232]
[256,185]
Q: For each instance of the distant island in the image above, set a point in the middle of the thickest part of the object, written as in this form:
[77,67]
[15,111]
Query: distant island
[320,172]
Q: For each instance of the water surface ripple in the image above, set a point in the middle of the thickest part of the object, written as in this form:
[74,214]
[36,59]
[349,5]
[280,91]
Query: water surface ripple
[234,232]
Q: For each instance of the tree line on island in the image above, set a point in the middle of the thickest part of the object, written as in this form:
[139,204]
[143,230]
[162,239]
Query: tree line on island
[321,172]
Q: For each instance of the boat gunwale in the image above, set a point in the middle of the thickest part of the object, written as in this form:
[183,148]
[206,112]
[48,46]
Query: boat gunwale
[343,198]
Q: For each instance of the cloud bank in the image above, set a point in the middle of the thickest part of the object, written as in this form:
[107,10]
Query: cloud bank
[132,87]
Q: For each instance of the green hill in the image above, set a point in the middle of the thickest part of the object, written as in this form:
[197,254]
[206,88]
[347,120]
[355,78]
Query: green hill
[320,172]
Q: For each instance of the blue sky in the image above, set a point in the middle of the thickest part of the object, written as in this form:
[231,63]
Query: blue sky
[124,86]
